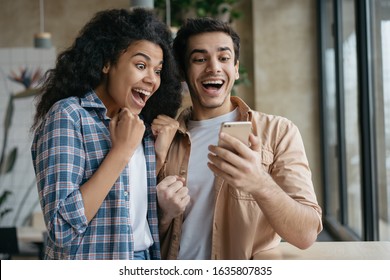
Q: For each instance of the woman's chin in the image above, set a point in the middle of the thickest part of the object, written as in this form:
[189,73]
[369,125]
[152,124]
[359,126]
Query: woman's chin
[135,109]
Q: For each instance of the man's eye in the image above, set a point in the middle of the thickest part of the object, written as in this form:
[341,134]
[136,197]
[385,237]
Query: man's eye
[225,58]
[140,66]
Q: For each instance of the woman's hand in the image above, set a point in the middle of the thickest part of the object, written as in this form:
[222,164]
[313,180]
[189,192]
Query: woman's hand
[164,129]
[126,130]
[173,198]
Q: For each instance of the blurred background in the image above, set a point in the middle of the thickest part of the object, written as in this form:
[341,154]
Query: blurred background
[323,64]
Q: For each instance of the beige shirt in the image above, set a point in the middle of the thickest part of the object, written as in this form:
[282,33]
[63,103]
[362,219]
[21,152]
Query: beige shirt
[240,229]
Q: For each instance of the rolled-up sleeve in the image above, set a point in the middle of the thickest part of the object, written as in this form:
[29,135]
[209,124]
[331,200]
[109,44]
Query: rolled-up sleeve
[291,168]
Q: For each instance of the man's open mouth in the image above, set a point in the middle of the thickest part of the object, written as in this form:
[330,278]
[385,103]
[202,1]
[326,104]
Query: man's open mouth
[213,84]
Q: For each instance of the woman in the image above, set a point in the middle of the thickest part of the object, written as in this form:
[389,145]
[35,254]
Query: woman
[94,150]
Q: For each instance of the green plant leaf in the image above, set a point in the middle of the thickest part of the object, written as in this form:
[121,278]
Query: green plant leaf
[4,212]
[8,113]
[9,162]
[4,196]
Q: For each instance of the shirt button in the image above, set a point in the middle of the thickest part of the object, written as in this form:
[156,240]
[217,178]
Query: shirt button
[125,193]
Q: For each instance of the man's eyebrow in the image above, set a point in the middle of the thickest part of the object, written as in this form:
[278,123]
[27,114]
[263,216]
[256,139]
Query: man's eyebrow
[197,51]
[220,49]
[145,56]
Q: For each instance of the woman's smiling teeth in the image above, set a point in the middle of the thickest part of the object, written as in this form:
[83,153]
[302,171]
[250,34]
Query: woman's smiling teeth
[141,95]
[142,91]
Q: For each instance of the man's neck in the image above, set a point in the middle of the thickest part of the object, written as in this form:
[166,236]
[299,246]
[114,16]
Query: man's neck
[200,112]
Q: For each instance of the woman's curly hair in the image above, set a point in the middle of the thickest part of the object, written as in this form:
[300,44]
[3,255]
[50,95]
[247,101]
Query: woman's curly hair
[102,40]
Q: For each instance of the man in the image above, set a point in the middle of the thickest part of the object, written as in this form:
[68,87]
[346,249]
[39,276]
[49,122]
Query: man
[230,204]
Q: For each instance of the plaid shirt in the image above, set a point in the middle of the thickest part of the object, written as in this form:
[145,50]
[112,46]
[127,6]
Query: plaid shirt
[67,149]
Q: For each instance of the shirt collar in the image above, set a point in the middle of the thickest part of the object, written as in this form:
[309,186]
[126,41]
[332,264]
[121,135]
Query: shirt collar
[243,109]
[91,100]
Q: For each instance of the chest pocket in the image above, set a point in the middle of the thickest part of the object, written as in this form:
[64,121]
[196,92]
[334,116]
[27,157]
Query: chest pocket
[267,158]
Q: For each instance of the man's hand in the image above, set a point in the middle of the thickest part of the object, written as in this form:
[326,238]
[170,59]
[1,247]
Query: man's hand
[241,167]
[172,198]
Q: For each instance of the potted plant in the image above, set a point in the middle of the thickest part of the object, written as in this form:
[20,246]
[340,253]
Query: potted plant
[27,78]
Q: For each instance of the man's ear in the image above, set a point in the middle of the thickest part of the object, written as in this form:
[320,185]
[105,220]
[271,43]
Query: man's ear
[106,68]
[237,66]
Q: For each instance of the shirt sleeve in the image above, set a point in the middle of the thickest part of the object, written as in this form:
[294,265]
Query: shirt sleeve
[60,163]
[291,169]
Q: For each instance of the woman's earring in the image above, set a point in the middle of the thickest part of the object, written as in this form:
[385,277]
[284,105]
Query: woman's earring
[106,68]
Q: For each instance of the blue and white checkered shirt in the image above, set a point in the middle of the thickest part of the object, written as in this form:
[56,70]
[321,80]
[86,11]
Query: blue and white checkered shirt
[67,149]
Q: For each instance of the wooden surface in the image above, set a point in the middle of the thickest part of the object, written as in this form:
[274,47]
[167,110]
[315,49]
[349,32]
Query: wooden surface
[354,250]
[330,251]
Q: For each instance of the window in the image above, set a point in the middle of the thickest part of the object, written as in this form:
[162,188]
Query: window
[381,69]
[355,106]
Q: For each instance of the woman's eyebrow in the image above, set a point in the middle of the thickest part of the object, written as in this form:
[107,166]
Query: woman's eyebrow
[145,56]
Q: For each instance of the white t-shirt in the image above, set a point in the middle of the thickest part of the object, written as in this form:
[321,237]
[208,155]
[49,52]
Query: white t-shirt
[139,200]
[198,217]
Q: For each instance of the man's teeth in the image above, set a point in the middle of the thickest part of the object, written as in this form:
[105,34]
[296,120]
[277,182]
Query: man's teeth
[219,82]
[144,92]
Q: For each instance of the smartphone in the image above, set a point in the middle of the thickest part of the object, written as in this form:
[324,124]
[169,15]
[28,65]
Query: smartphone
[239,130]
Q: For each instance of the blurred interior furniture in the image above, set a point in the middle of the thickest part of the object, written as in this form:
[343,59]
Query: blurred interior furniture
[8,242]
[31,238]
[24,243]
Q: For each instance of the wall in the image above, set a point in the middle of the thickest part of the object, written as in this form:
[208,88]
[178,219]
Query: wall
[16,114]
[19,19]
[285,69]
[244,27]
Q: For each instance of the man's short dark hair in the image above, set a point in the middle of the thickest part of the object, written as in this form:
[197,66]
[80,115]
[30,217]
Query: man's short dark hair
[196,26]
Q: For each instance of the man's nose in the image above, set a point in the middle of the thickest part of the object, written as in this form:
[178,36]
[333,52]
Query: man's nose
[213,66]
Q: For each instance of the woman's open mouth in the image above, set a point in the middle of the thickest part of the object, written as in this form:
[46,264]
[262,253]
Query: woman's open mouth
[141,96]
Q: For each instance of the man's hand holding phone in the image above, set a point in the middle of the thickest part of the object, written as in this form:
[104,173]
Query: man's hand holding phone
[238,164]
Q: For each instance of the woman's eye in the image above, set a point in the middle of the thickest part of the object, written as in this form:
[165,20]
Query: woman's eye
[140,66]
[199,59]
[158,72]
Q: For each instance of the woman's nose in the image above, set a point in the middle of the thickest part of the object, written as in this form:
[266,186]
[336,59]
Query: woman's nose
[150,77]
